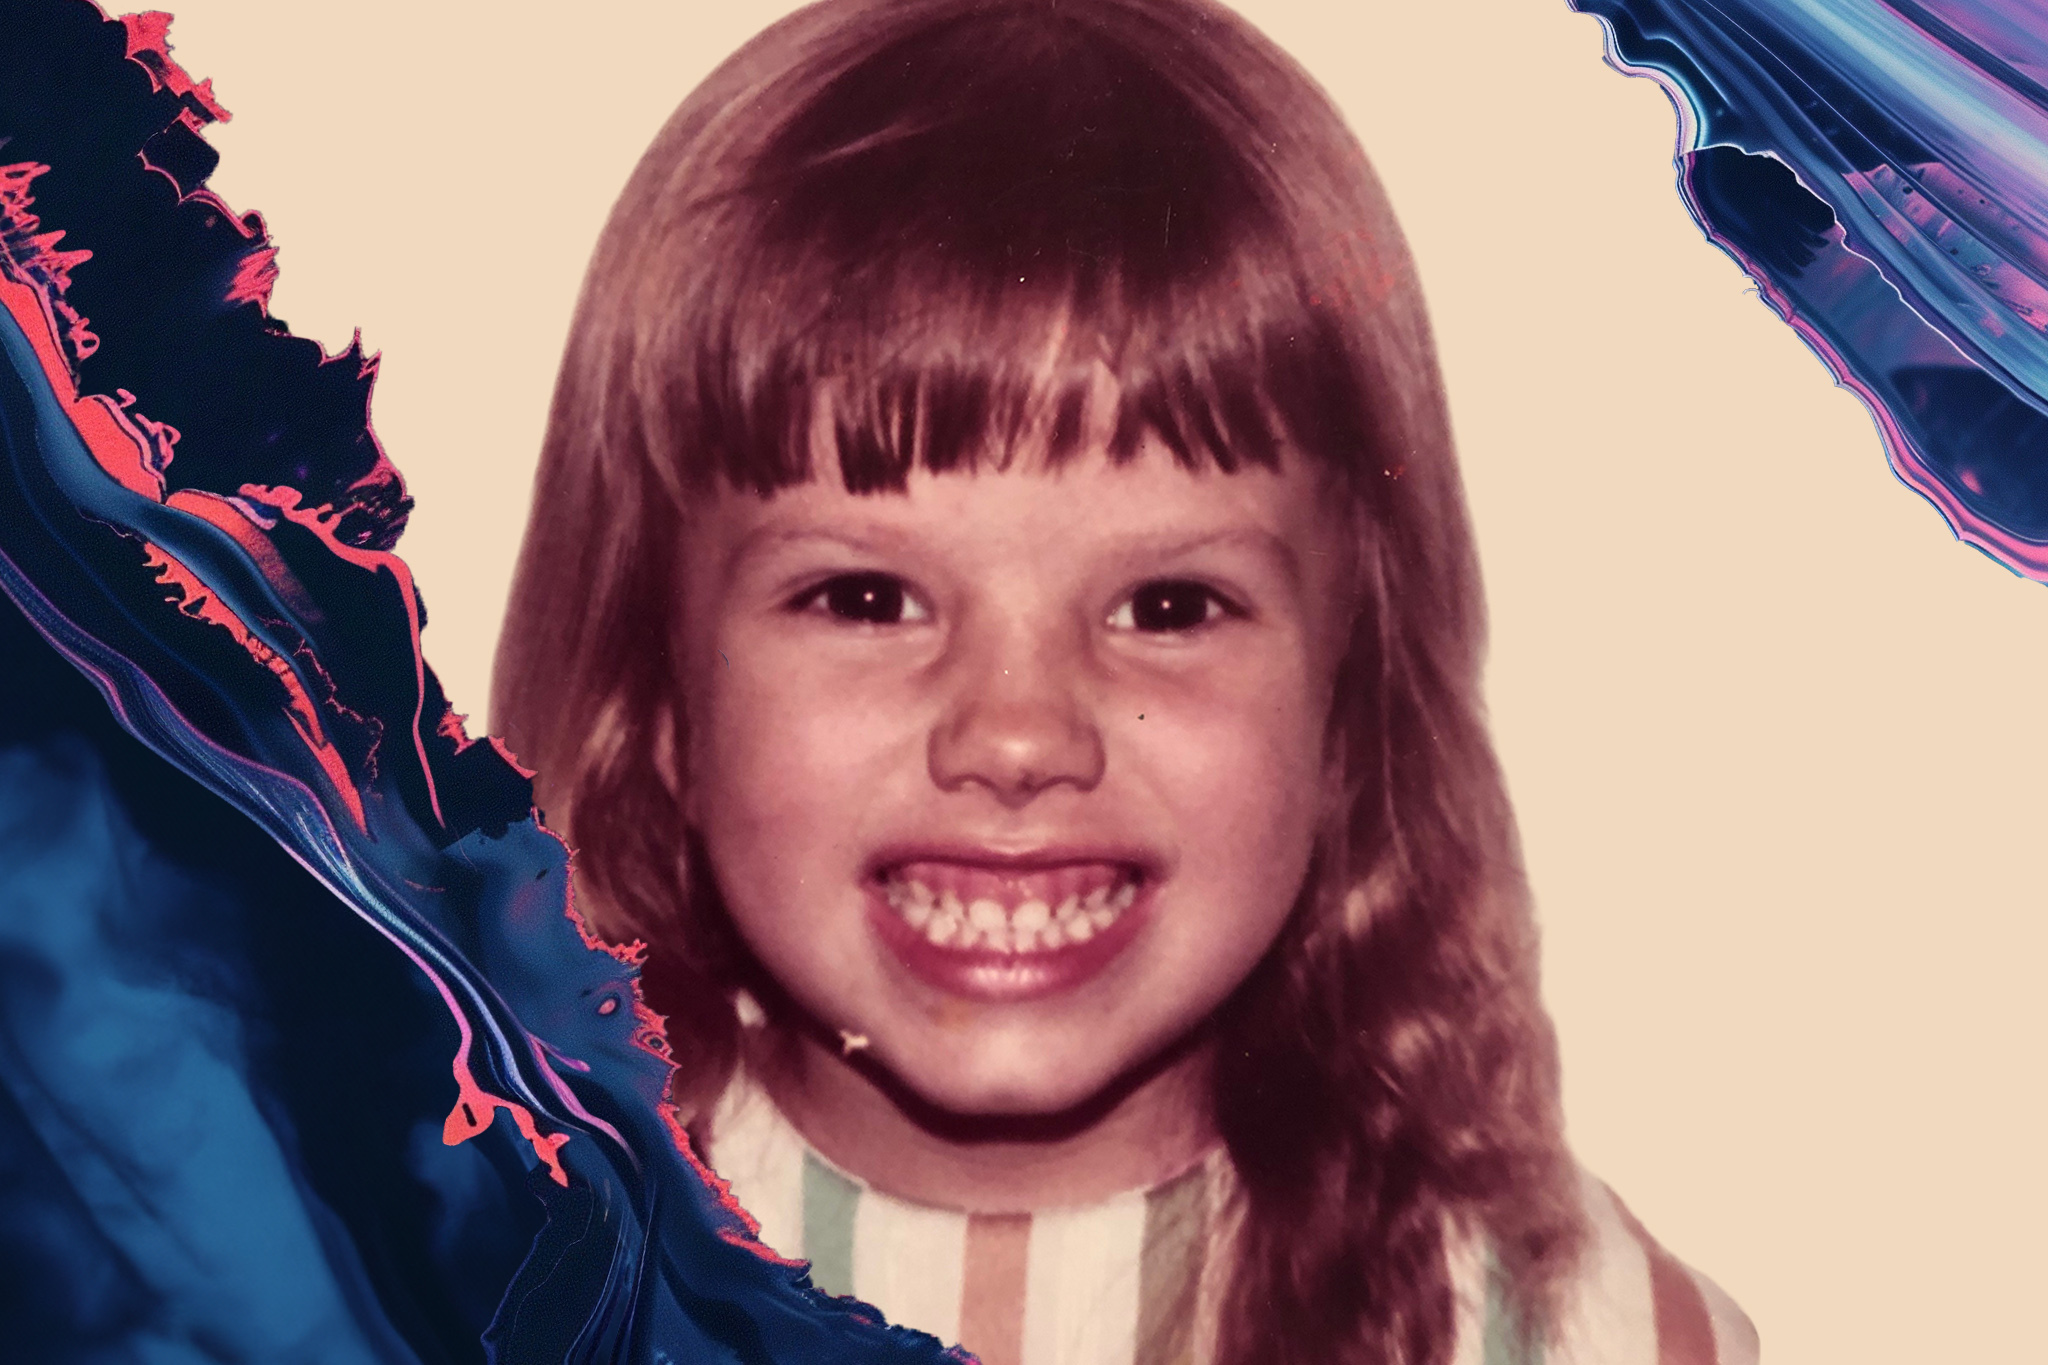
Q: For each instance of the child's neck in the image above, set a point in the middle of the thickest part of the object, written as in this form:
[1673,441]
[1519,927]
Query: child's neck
[1144,1136]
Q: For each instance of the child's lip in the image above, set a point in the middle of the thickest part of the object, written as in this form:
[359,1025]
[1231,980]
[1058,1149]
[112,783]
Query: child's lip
[1048,857]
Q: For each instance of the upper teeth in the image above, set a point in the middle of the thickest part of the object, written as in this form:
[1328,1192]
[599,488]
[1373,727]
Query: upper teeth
[1032,926]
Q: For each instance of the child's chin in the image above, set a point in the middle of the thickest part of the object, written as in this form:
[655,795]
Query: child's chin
[1015,1099]
[970,1089]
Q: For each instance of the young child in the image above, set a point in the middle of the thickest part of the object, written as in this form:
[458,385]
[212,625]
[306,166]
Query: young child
[999,622]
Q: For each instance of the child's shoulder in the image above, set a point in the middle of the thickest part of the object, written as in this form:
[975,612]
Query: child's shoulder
[1631,1303]
[1637,1304]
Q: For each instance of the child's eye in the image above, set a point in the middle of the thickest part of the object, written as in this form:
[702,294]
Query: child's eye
[873,599]
[1170,604]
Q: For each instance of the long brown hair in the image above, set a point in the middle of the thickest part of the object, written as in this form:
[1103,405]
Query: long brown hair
[952,212]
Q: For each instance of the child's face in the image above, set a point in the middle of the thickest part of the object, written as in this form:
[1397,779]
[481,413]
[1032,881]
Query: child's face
[1014,773]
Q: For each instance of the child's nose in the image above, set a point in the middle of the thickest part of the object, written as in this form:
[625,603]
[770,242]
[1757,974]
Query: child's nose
[1017,722]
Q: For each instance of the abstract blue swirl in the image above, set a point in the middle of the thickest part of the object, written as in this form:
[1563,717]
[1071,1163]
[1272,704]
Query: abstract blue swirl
[1881,169]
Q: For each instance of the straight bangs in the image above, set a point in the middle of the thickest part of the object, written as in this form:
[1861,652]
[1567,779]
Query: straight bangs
[942,250]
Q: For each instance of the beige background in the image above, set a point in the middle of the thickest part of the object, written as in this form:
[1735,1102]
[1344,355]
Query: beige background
[1775,736]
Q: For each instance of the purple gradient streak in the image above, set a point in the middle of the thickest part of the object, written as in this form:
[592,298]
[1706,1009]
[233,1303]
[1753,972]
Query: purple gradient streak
[1881,170]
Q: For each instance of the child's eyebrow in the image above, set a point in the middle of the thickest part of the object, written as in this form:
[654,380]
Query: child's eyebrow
[763,540]
[1256,539]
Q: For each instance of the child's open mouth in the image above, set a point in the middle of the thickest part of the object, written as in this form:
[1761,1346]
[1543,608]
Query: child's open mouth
[965,907]
[1001,932]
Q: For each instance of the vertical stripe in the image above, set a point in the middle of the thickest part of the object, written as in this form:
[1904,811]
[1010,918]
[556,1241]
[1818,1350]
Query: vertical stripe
[1611,1318]
[1175,1240]
[761,1159]
[1685,1330]
[993,1285]
[1226,1223]
[907,1261]
[1735,1340]
[1504,1340]
[830,1200]
[1468,1264]
[1081,1307]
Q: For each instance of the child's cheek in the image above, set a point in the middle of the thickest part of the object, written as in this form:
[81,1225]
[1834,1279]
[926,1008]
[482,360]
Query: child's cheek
[1232,753]
[1261,705]
[800,741]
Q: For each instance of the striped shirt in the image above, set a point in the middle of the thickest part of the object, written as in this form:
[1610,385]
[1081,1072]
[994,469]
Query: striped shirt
[1134,1280]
